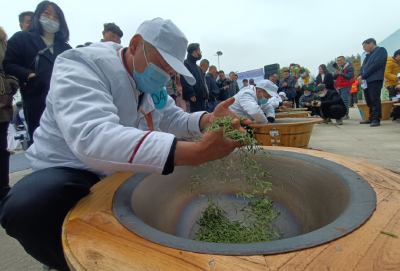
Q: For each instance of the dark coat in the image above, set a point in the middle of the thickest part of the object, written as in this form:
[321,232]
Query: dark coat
[212,87]
[332,97]
[374,65]
[22,49]
[223,92]
[199,90]
[290,85]
[328,81]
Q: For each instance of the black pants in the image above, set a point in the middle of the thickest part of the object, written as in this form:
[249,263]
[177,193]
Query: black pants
[335,111]
[373,98]
[313,111]
[393,91]
[353,99]
[297,99]
[34,210]
[32,112]
[4,155]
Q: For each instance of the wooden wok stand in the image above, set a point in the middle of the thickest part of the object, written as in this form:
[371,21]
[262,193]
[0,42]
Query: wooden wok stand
[93,239]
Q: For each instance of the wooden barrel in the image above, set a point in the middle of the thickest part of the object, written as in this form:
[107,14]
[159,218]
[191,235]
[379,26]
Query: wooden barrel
[292,109]
[93,239]
[286,132]
[294,114]
[386,110]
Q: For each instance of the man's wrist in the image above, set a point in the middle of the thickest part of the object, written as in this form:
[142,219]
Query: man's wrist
[188,154]
[204,122]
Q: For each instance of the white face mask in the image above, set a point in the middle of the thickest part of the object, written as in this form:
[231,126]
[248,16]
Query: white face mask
[322,95]
[49,25]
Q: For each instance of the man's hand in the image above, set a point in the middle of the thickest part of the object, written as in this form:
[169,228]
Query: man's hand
[222,110]
[308,104]
[359,79]
[212,146]
[193,98]
[286,103]
[398,87]
[337,72]
[226,87]
[318,104]
[284,84]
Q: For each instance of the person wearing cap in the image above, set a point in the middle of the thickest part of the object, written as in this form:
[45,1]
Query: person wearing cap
[306,101]
[107,110]
[196,94]
[392,73]
[253,104]
[331,105]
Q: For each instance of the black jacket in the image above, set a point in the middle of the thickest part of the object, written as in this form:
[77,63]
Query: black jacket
[212,87]
[328,81]
[224,93]
[21,51]
[332,97]
[374,65]
[199,89]
[290,85]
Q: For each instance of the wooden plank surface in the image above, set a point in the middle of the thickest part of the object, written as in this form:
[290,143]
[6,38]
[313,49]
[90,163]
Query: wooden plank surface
[93,239]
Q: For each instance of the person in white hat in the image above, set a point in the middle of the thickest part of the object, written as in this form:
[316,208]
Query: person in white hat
[252,102]
[107,110]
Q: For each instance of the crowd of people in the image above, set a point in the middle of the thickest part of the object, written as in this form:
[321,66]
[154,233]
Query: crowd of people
[94,110]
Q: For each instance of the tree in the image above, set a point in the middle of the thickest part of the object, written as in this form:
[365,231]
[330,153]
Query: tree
[292,69]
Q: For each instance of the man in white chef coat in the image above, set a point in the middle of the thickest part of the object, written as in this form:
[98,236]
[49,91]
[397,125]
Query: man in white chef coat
[253,102]
[107,110]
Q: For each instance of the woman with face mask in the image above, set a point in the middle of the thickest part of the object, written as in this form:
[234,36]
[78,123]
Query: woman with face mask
[30,57]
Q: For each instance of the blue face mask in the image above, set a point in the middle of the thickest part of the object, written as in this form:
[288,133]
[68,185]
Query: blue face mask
[152,81]
[303,75]
[307,94]
[262,101]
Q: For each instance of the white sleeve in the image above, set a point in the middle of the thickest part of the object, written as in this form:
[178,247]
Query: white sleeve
[252,108]
[84,111]
[268,109]
[180,123]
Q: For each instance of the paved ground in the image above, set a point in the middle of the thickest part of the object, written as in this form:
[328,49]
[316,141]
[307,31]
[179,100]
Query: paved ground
[379,146]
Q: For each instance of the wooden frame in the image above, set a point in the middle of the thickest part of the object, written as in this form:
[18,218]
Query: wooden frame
[93,239]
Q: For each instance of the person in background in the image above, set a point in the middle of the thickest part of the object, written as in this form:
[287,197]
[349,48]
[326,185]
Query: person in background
[233,86]
[196,95]
[294,75]
[17,121]
[286,85]
[48,32]
[306,101]
[213,95]
[324,77]
[253,104]
[204,64]
[371,77]
[276,79]
[25,19]
[245,83]
[353,94]
[344,80]
[391,71]
[298,90]
[223,85]
[251,82]
[8,87]
[305,81]
[180,102]
[171,88]
[331,105]
[216,75]
[112,32]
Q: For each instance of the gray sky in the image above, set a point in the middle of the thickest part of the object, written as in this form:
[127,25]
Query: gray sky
[250,33]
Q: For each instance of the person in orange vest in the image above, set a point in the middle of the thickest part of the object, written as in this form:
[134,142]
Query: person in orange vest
[353,94]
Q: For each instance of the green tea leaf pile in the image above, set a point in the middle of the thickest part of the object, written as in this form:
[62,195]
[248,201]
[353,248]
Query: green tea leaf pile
[259,212]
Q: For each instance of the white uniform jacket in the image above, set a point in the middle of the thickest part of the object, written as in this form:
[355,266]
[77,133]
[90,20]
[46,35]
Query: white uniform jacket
[92,121]
[246,105]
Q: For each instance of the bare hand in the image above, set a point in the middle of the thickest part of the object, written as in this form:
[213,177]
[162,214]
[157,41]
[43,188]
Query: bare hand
[31,75]
[193,98]
[318,104]
[226,87]
[286,103]
[284,84]
[338,72]
[398,87]
[359,79]
[222,110]
[308,104]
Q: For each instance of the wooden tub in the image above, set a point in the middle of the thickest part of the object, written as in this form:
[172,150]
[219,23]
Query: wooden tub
[292,109]
[294,114]
[386,110]
[286,132]
[93,239]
